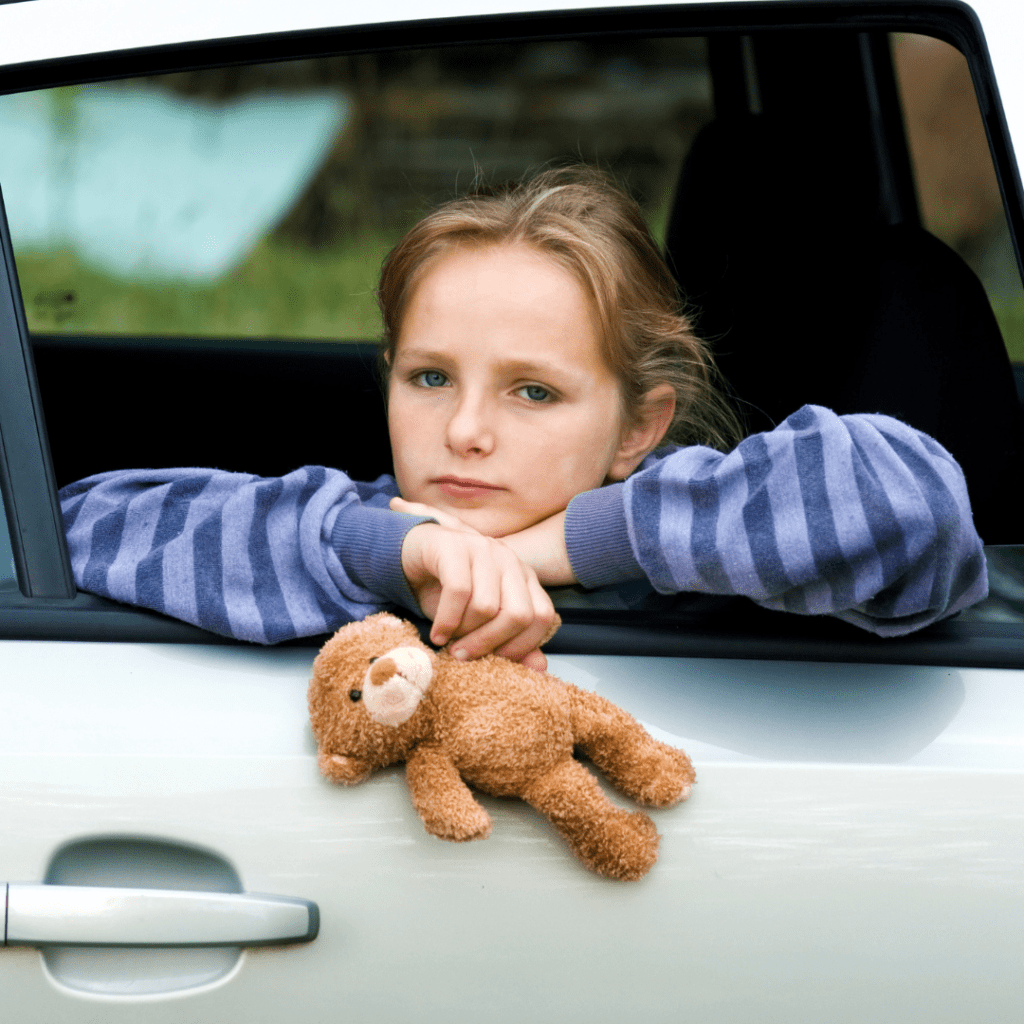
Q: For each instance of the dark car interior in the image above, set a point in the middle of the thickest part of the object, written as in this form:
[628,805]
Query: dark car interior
[788,213]
[797,242]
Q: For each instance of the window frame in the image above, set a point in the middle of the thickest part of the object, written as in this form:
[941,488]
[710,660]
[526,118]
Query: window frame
[47,605]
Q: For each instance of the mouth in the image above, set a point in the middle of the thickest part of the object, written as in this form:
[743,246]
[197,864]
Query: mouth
[464,487]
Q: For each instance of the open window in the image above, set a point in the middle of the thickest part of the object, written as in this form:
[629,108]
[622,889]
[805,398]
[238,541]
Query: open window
[197,249]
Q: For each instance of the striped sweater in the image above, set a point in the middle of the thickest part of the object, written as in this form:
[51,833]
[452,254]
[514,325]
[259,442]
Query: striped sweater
[860,517]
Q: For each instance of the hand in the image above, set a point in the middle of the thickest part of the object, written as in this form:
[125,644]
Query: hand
[419,508]
[476,589]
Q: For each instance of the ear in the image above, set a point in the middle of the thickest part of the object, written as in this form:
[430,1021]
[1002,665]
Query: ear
[646,431]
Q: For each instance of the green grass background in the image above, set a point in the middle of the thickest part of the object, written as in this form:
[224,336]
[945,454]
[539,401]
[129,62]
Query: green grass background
[281,290]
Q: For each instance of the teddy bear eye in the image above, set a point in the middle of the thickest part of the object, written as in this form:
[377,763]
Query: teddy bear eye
[354,695]
[372,660]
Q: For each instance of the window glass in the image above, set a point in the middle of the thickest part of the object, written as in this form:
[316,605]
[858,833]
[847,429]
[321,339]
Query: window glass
[956,180]
[259,201]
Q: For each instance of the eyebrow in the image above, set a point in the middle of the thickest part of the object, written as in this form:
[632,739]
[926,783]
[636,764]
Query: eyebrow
[420,355]
[528,367]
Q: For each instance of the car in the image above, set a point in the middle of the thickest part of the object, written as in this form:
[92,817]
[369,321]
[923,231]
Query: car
[196,199]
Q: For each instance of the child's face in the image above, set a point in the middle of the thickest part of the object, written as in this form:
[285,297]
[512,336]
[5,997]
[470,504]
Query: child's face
[501,407]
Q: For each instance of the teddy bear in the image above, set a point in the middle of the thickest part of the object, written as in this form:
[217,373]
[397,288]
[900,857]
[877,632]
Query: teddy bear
[379,696]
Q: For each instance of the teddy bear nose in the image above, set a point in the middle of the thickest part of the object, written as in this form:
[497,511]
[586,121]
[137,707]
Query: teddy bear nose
[383,669]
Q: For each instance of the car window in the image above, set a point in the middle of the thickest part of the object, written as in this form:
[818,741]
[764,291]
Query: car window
[955,178]
[259,201]
[137,209]
[209,241]
[960,203]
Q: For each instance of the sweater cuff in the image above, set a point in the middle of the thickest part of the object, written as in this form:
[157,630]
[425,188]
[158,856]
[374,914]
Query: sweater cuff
[597,538]
[368,542]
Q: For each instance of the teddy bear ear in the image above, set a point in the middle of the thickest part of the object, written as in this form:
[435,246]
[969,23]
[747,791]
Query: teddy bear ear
[411,630]
[385,620]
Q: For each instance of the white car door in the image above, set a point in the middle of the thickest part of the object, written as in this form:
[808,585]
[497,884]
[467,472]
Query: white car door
[852,850]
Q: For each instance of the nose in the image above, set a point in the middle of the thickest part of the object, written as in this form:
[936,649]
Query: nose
[471,426]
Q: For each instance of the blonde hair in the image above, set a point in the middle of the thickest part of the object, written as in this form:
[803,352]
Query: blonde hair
[581,219]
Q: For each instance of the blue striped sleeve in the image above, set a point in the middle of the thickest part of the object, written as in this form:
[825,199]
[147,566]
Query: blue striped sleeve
[860,517]
[174,500]
[236,554]
[597,538]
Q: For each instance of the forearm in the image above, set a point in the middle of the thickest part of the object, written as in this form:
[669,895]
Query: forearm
[858,516]
[238,555]
[543,547]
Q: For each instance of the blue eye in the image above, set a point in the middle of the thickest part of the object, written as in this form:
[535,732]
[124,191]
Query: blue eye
[535,393]
[431,379]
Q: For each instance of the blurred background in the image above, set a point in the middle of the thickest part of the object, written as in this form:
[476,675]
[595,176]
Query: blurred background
[956,181]
[259,201]
[113,190]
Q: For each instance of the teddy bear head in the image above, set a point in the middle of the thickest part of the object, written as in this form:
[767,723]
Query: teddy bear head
[368,682]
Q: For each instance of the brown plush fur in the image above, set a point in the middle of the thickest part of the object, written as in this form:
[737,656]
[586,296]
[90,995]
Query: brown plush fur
[503,729]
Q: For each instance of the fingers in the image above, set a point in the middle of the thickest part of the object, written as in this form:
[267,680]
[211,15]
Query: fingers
[537,620]
[470,593]
[461,581]
[537,661]
[494,608]
[478,592]
[513,622]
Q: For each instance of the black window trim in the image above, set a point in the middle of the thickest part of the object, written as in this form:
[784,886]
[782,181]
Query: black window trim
[26,470]
[46,606]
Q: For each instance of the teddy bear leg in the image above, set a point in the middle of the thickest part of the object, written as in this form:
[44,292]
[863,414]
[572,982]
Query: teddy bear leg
[645,769]
[609,840]
[443,801]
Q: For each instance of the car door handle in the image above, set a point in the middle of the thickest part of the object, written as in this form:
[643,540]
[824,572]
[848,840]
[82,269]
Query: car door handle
[80,915]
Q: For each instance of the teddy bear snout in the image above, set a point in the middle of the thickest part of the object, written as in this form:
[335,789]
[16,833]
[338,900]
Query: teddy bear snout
[395,684]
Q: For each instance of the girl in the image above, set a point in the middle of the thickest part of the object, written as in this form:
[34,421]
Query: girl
[535,357]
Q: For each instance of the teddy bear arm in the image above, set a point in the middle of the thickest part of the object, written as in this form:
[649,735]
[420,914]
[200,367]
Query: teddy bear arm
[343,769]
[443,801]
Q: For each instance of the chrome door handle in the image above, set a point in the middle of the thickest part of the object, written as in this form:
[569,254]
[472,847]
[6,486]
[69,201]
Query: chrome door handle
[80,915]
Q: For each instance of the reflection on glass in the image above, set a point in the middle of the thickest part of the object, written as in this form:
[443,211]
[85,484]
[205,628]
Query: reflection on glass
[1005,601]
[144,184]
[955,177]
